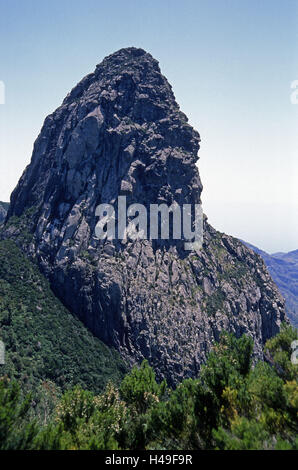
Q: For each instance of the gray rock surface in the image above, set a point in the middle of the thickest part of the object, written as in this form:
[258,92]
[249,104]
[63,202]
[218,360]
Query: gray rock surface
[121,132]
[3,211]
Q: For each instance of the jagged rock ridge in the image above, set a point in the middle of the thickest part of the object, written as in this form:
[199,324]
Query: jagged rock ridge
[121,132]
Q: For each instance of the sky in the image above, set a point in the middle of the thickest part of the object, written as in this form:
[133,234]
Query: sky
[231,64]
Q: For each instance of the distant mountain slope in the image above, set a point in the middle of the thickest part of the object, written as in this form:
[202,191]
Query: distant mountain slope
[292,256]
[283,268]
[3,210]
[43,341]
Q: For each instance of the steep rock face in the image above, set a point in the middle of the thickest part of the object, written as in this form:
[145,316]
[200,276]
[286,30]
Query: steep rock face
[2,214]
[121,132]
[3,211]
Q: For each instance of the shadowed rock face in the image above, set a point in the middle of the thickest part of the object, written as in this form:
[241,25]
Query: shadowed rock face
[120,132]
[283,267]
[3,213]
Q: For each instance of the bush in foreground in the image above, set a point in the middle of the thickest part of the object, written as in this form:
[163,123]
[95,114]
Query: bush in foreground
[231,405]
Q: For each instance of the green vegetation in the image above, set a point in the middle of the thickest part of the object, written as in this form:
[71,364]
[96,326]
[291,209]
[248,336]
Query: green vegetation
[21,226]
[231,405]
[61,388]
[47,349]
[214,302]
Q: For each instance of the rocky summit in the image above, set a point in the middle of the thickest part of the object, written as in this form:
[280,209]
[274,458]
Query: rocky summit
[3,211]
[121,132]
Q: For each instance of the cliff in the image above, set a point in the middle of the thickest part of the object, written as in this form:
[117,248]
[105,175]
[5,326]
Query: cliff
[121,132]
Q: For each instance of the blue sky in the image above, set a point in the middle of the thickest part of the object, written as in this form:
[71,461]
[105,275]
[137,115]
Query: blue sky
[230,62]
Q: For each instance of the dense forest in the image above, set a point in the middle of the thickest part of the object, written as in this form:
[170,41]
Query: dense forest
[233,404]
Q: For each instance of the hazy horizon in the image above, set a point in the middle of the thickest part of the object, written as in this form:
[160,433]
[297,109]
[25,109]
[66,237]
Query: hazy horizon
[230,65]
